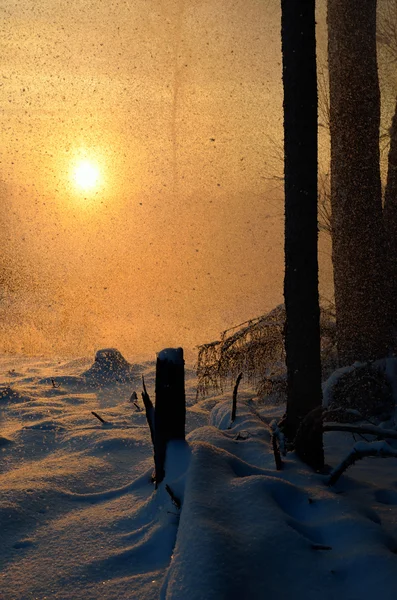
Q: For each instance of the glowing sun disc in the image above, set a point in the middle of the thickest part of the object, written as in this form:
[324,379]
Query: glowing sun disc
[86,175]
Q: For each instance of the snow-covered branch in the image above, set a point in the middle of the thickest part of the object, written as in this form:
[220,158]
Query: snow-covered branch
[361,429]
[362,450]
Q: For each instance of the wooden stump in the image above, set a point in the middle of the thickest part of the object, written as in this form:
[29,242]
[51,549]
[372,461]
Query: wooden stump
[170,407]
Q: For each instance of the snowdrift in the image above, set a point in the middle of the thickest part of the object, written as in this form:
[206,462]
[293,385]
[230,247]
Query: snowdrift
[80,519]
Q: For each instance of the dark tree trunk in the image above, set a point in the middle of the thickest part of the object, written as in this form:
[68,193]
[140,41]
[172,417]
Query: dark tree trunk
[356,197]
[302,332]
[390,220]
[170,410]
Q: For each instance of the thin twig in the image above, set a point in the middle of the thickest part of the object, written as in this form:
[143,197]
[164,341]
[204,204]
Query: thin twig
[321,547]
[98,417]
[174,499]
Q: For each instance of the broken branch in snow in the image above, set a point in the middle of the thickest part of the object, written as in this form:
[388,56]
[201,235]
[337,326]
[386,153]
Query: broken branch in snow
[313,422]
[144,387]
[321,547]
[174,499]
[234,403]
[149,409]
[359,451]
[98,417]
[277,443]
[276,452]
[241,435]
[275,428]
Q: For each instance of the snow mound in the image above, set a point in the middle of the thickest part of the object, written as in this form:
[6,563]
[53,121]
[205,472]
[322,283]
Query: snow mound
[110,366]
[80,518]
[249,531]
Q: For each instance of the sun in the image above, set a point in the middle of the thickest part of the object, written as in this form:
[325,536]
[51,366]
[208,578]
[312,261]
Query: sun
[86,175]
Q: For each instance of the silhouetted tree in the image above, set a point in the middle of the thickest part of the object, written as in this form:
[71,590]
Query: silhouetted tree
[302,331]
[387,45]
[390,220]
[359,258]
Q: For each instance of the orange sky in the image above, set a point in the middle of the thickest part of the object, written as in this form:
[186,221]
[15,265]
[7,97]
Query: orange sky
[179,103]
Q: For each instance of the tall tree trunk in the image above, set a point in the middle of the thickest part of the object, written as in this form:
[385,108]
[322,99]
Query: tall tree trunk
[302,332]
[356,197]
[390,220]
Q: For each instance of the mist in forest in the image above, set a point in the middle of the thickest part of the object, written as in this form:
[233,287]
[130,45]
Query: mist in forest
[141,176]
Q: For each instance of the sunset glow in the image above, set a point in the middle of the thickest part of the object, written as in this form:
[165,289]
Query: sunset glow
[86,175]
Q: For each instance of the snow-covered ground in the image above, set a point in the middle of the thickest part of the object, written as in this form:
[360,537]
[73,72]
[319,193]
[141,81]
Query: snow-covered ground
[80,519]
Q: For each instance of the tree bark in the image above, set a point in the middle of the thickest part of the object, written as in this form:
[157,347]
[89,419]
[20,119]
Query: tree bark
[302,331]
[356,197]
[390,221]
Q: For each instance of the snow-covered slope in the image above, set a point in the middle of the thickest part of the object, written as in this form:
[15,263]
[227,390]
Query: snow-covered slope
[80,519]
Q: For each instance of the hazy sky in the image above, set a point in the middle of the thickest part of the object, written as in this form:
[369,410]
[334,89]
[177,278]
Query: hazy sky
[178,104]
